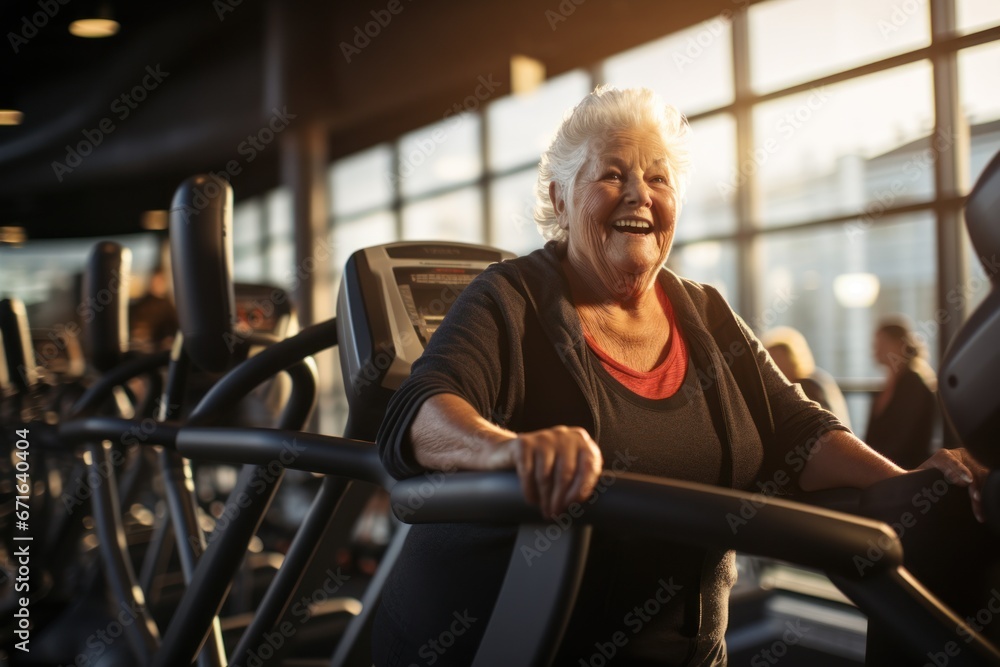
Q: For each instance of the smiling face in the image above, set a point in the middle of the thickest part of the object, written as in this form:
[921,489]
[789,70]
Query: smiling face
[620,225]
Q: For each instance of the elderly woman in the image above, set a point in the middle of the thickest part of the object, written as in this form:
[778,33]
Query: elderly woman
[588,354]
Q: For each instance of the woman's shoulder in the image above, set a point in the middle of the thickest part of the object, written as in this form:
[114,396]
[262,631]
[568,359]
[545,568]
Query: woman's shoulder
[703,298]
[531,273]
[510,271]
[920,376]
[541,260]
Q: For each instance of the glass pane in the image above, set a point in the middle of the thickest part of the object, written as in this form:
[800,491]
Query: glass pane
[522,126]
[711,194]
[792,41]
[692,69]
[248,223]
[456,216]
[712,262]
[362,181]
[512,202]
[278,205]
[980,96]
[281,262]
[819,280]
[440,155]
[45,274]
[974,15]
[248,265]
[858,145]
[248,234]
[280,234]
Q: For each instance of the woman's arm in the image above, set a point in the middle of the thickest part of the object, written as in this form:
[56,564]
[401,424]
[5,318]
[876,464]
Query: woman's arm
[840,459]
[468,356]
[557,466]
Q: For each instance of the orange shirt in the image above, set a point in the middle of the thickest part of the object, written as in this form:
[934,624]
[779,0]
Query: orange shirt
[664,380]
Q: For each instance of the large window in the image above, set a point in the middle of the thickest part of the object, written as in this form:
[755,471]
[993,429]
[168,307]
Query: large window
[836,285]
[444,154]
[47,275]
[521,126]
[976,15]
[512,203]
[691,69]
[827,219]
[456,216]
[710,206]
[362,181]
[792,41]
[712,262]
[835,148]
[980,101]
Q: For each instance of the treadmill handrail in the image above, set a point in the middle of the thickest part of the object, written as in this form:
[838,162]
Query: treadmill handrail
[697,514]
[297,450]
[921,624]
[863,556]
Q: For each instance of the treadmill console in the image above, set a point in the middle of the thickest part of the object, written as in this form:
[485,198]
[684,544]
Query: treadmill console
[392,299]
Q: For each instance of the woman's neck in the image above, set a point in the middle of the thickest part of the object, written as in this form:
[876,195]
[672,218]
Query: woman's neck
[618,292]
[634,331]
[628,317]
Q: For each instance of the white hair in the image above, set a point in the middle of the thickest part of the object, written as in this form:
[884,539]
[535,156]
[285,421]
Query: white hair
[607,109]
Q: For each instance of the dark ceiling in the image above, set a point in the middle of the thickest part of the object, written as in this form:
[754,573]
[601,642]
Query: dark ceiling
[112,126]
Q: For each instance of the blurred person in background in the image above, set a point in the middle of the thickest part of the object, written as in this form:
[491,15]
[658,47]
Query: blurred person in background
[790,351]
[904,413]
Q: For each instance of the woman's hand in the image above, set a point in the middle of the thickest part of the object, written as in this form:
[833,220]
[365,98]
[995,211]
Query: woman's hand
[961,469]
[557,466]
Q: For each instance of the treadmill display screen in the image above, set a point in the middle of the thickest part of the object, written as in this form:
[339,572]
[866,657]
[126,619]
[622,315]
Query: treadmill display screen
[428,294]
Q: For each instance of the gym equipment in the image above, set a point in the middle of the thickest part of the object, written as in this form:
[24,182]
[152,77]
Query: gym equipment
[534,603]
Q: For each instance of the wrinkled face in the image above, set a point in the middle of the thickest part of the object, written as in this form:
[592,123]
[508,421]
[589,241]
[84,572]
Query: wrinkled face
[621,223]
